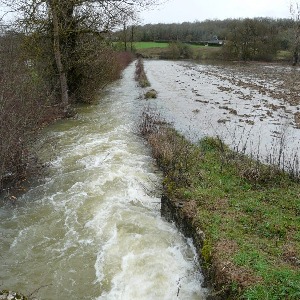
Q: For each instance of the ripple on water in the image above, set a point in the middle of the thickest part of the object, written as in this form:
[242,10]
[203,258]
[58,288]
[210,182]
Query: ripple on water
[92,229]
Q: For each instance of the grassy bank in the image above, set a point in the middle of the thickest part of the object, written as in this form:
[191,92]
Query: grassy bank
[249,212]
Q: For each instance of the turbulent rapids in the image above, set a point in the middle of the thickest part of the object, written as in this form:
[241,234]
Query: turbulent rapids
[92,228]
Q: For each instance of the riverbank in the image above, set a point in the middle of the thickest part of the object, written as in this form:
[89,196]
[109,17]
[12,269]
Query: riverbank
[97,207]
[242,215]
[23,122]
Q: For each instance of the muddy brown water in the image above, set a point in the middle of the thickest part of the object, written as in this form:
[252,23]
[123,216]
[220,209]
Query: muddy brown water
[92,228]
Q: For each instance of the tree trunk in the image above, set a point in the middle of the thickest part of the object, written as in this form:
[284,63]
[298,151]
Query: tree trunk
[132,36]
[58,57]
[125,36]
[68,41]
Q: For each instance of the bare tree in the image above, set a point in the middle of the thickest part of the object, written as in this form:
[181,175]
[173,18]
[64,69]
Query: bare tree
[66,22]
[252,39]
[25,104]
[56,48]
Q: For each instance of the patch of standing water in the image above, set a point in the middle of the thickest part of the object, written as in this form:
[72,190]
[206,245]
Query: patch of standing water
[229,101]
[92,229]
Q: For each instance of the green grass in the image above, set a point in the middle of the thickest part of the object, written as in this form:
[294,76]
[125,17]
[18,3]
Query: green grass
[147,45]
[260,216]
[157,50]
[250,214]
[284,55]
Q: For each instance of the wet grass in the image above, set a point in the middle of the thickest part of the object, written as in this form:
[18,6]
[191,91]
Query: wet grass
[157,50]
[259,216]
[200,52]
[284,55]
[250,213]
[147,45]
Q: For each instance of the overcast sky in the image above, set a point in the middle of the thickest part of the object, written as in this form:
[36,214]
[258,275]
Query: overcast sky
[178,11]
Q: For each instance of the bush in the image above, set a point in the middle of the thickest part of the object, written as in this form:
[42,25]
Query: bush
[151,94]
[140,75]
[178,50]
[25,105]
[93,67]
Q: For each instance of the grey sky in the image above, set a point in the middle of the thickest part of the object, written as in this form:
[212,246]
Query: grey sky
[178,11]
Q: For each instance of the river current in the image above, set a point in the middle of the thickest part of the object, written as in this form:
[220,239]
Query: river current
[92,228]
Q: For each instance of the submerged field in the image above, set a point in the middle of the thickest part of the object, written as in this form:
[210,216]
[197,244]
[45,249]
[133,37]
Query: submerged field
[249,212]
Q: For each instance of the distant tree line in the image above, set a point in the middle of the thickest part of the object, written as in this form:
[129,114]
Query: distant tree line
[257,39]
[247,39]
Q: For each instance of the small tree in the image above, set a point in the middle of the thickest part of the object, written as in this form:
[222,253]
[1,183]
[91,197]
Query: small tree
[178,50]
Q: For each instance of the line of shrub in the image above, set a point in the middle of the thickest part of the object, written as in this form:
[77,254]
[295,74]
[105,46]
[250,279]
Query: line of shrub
[140,74]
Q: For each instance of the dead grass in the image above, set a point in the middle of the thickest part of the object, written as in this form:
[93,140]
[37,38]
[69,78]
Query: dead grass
[226,272]
[248,211]
[140,75]
[151,94]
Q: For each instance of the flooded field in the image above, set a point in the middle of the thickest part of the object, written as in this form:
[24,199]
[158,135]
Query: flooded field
[252,107]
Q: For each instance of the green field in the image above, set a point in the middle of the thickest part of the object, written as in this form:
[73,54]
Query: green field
[162,50]
[200,52]
[147,45]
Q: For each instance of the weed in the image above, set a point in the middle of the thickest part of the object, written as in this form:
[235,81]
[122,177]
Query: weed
[151,94]
[140,75]
[206,252]
[249,211]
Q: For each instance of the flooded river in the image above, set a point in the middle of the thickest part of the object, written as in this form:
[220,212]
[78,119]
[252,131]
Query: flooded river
[92,228]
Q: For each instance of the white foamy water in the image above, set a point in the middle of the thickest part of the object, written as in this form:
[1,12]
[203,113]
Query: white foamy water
[92,229]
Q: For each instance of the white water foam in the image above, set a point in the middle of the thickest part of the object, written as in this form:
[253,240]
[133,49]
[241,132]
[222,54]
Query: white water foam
[92,229]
